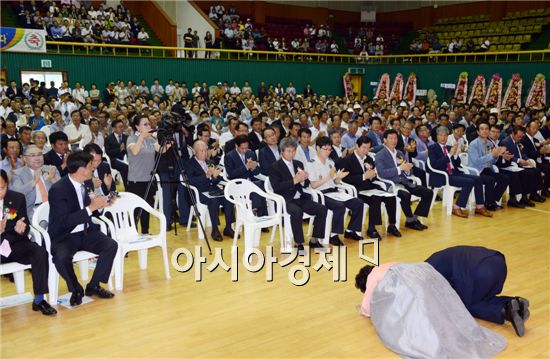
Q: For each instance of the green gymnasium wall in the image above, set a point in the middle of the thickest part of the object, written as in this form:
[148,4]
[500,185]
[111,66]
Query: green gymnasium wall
[324,78]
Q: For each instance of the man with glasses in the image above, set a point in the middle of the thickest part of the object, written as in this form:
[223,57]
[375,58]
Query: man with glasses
[324,177]
[35,179]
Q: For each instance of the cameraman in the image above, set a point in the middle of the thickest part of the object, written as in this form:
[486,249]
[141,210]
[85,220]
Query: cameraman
[142,149]
[169,171]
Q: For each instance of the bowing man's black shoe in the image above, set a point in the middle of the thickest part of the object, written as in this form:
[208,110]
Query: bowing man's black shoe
[216,235]
[98,291]
[423,226]
[511,314]
[374,234]
[514,203]
[335,241]
[352,235]
[76,298]
[417,226]
[523,308]
[535,197]
[392,229]
[44,307]
[491,207]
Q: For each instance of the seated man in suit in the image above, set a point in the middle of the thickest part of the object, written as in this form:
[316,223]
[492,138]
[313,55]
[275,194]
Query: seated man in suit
[35,179]
[535,151]
[206,178]
[338,151]
[204,134]
[115,147]
[376,134]
[445,158]
[482,155]
[240,130]
[71,229]
[527,181]
[324,177]
[233,130]
[391,165]
[268,153]
[362,173]
[12,160]
[407,144]
[57,156]
[255,136]
[16,246]
[242,163]
[288,179]
[102,178]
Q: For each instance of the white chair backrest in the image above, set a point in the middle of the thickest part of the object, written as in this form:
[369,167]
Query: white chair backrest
[267,186]
[463,158]
[40,221]
[122,212]
[238,192]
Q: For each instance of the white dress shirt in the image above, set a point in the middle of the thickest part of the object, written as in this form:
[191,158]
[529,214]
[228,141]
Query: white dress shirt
[78,188]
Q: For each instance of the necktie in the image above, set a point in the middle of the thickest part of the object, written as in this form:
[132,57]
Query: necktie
[119,139]
[243,159]
[306,152]
[519,151]
[449,166]
[43,192]
[83,193]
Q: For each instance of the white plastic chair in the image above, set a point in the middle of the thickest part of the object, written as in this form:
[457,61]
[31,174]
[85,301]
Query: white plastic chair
[39,222]
[18,269]
[202,208]
[124,230]
[448,190]
[288,236]
[238,192]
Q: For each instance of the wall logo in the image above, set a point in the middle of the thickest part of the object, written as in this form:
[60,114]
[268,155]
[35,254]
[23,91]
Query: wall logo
[34,40]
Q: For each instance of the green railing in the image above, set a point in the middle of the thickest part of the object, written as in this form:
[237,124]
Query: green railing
[73,48]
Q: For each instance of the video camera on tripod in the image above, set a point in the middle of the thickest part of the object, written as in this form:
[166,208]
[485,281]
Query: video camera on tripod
[171,123]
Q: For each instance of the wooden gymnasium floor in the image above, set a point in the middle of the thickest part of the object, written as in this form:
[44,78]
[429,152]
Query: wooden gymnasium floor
[251,318]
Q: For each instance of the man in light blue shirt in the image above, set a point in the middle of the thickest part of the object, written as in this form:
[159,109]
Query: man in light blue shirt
[482,155]
[350,138]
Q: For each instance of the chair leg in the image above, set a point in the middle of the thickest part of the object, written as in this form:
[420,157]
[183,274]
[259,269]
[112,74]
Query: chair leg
[249,232]
[310,227]
[286,241]
[142,258]
[53,284]
[237,231]
[165,259]
[118,269]
[19,279]
[83,267]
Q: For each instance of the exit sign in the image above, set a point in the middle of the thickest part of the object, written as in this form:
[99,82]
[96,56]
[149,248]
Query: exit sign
[46,64]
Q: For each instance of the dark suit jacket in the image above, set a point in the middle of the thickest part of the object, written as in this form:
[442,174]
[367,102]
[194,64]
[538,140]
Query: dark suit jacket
[65,211]
[439,161]
[254,141]
[52,158]
[279,124]
[112,147]
[197,177]
[401,146]
[235,167]
[513,149]
[282,181]
[351,164]
[102,170]
[266,159]
[12,93]
[530,150]
[16,201]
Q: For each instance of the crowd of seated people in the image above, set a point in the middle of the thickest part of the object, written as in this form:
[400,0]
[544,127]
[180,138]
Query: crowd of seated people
[299,140]
[364,40]
[81,22]
[243,34]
